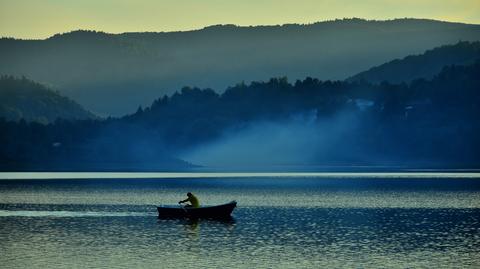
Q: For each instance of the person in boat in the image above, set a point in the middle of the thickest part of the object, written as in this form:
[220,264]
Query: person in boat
[194,202]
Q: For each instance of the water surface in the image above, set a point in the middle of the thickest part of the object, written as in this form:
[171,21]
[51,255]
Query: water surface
[403,221]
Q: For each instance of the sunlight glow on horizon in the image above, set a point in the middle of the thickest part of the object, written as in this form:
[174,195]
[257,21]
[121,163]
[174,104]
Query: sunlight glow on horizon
[30,19]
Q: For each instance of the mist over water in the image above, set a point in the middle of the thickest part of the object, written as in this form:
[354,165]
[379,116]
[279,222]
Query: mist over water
[300,139]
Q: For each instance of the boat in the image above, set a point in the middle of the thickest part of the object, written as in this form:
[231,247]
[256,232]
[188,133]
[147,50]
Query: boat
[211,212]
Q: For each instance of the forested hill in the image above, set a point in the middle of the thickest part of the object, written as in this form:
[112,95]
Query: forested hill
[21,98]
[425,65]
[194,115]
[424,124]
[91,67]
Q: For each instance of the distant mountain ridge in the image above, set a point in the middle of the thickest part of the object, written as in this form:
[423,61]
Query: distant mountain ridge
[21,98]
[114,73]
[424,65]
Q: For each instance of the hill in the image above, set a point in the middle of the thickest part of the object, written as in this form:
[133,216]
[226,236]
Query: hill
[424,65]
[21,98]
[112,74]
[424,124]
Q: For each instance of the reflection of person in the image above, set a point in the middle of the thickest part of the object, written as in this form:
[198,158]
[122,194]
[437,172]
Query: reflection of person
[192,199]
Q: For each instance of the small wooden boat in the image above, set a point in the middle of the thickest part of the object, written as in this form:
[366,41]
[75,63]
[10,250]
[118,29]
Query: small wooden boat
[213,212]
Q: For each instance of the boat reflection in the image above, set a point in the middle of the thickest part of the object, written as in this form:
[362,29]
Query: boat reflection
[193,226]
[194,221]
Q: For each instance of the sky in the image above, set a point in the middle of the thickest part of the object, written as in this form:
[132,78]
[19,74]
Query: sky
[38,19]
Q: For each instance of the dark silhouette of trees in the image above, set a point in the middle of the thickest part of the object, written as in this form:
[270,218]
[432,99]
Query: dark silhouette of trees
[21,98]
[426,122]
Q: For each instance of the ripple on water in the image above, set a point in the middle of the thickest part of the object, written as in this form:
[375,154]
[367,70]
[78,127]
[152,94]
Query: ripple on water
[261,237]
[304,223]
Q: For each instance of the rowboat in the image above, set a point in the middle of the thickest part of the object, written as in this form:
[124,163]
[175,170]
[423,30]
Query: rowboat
[214,212]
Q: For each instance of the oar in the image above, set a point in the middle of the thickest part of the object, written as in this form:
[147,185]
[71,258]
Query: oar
[184,209]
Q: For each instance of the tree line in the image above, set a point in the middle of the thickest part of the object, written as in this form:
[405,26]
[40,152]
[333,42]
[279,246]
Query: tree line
[423,123]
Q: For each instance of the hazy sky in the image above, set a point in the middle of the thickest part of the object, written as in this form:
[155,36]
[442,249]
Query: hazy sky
[43,18]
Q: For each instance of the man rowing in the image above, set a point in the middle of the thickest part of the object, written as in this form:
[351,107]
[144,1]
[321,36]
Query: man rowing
[194,202]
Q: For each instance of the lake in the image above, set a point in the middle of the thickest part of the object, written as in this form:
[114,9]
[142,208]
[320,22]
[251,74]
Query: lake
[283,220]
